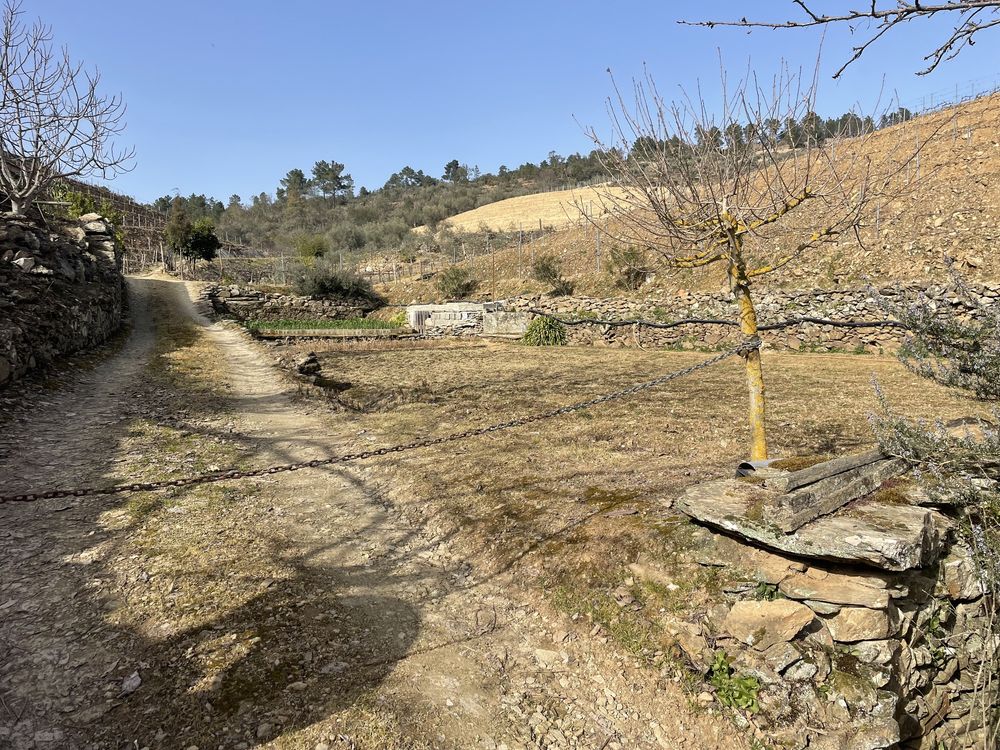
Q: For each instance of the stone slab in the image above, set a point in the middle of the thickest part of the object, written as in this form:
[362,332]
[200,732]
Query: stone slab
[890,537]
[794,510]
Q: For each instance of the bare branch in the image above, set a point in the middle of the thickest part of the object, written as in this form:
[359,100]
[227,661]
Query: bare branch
[882,20]
[54,122]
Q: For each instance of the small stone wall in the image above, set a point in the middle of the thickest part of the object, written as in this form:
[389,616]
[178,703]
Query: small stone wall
[772,306]
[448,318]
[866,628]
[246,303]
[61,290]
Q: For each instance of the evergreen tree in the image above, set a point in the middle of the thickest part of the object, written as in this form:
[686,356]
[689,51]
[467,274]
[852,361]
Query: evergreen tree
[330,179]
[202,244]
[179,228]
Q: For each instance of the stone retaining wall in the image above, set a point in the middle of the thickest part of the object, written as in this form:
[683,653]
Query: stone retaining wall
[772,306]
[61,290]
[246,303]
[849,657]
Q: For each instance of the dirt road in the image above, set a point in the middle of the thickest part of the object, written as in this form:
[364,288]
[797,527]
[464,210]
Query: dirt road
[303,611]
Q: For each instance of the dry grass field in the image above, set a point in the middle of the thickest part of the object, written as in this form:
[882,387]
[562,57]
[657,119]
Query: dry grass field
[568,503]
[558,209]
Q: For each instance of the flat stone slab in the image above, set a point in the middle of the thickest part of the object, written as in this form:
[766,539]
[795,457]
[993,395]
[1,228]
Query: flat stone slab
[891,537]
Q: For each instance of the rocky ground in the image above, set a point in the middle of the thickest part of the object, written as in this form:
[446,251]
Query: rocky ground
[306,610]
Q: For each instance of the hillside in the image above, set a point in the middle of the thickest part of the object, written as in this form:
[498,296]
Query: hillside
[951,208]
[558,209]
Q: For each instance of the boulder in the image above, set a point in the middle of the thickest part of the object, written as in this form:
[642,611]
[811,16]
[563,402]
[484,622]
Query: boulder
[25,264]
[780,656]
[853,624]
[961,580]
[837,588]
[309,365]
[97,226]
[75,233]
[762,624]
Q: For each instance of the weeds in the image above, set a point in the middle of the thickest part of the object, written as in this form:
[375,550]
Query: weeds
[732,689]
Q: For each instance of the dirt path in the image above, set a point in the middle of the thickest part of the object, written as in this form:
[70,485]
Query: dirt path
[299,612]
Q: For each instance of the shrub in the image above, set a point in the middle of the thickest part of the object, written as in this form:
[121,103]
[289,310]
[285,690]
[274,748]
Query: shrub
[545,332]
[311,245]
[456,283]
[562,288]
[628,267]
[324,281]
[957,464]
[548,270]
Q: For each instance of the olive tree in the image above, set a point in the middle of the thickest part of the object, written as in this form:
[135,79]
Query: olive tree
[751,206]
[54,121]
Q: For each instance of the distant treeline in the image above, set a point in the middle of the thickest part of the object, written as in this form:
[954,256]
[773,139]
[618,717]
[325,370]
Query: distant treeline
[320,213]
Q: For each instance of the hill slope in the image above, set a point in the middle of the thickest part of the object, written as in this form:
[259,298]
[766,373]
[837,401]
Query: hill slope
[952,209]
[558,209]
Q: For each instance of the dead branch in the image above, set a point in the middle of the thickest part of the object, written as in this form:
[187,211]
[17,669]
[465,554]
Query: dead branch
[974,16]
[54,122]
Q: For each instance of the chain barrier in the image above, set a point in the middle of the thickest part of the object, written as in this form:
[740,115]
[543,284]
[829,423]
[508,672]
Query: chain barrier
[713,321]
[230,474]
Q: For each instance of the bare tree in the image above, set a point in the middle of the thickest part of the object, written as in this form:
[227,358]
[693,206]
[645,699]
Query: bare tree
[54,123]
[973,16]
[686,186]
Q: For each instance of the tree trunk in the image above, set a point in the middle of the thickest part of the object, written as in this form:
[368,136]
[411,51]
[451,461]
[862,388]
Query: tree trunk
[755,374]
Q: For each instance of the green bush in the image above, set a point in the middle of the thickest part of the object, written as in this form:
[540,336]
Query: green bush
[545,332]
[325,281]
[548,270]
[456,283]
[628,267]
[311,245]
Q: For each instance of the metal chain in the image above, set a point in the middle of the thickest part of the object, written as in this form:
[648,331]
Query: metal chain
[716,322]
[229,474]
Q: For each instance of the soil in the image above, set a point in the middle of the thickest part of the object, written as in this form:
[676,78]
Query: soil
[308,610]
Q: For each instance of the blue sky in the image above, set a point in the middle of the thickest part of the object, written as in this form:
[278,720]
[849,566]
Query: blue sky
[225,97]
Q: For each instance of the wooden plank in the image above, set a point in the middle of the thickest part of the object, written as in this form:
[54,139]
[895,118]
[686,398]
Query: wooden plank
[796,479]
[794,510]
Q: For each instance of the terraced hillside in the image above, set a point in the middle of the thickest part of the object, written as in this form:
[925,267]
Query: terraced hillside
[951,208]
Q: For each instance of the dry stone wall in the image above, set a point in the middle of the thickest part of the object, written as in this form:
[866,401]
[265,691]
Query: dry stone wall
[772,306]
[866,624]
[247,303]
[61,290]
[849,657]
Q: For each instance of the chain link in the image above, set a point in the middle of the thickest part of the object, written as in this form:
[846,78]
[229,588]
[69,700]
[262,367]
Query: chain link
[230,474]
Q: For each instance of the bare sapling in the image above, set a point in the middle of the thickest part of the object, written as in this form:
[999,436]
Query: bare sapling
[54,122]
[749,186]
